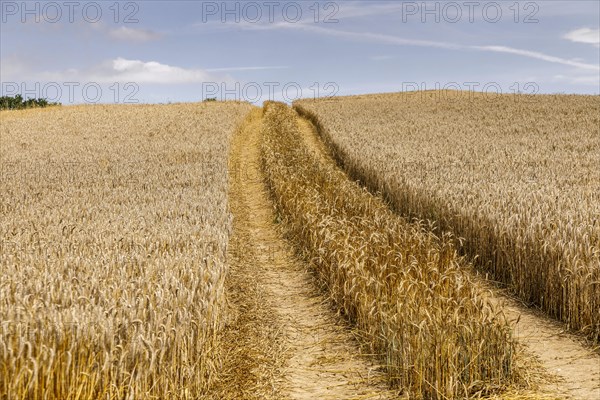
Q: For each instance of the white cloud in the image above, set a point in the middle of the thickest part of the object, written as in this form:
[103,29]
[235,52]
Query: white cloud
[138,71]
[154,72]
[124,70]
[584,35]
[133,35]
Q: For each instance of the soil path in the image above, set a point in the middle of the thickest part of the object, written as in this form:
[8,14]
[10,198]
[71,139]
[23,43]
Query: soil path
[316,356]
[574,368]
[562,354]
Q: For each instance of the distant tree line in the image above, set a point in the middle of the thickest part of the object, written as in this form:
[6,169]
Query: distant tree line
[18,103]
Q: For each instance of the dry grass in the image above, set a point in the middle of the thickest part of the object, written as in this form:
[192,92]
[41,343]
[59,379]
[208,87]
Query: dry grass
[114,227]
[404,287]
[517,177]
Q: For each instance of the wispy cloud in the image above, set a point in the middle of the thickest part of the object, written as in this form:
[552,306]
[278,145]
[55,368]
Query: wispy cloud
[537,55]
[382,58]
[12,66]
[358,36]
[133,34]
[397,40]
[358,9]
[584,35]
[255,68]
[589,80]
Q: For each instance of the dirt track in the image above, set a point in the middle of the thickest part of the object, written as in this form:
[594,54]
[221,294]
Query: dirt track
[318,358]
[561,354]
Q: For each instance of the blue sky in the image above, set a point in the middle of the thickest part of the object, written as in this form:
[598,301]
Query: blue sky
[171,51]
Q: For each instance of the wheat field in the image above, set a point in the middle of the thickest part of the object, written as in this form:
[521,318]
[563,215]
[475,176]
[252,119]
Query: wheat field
[114,226]
[127,272]
[406,289]
[516,177]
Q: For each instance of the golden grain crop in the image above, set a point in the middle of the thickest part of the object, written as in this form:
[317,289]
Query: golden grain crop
[518,177]
[405,288]
[114,227]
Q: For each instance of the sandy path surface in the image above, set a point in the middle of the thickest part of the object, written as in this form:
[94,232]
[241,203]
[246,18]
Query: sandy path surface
[562,354]
[316,357]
